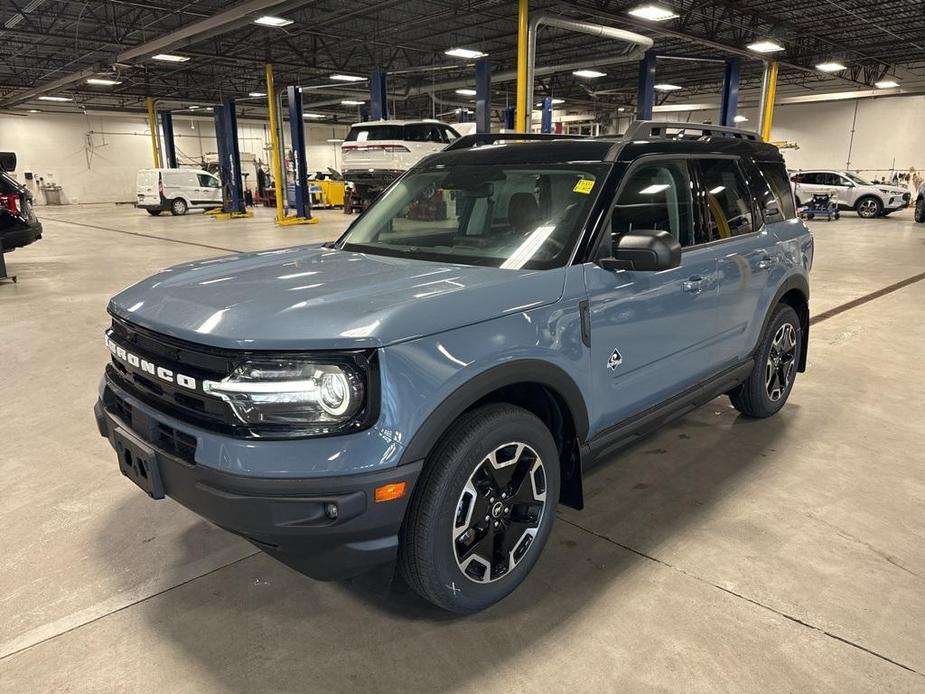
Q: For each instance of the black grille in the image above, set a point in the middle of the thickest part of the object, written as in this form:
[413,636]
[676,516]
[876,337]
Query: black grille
[176,442]
[158,434]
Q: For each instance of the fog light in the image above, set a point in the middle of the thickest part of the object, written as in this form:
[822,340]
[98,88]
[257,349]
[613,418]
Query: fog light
[330,510]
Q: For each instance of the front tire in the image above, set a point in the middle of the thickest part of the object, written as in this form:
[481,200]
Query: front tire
[178,207]
[482,510]
[920,210]
[868,207]
[768,386]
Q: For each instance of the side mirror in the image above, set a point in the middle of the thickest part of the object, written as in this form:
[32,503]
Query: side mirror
[8,161]
[646,250]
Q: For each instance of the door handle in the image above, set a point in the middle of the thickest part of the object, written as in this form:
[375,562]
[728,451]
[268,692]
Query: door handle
[767,262]
[692,285]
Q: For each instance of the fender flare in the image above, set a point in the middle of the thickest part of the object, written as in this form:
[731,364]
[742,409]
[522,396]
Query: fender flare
[521,371]
[800,283]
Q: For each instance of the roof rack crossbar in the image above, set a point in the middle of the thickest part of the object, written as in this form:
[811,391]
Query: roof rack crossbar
[649,129]
[480,139]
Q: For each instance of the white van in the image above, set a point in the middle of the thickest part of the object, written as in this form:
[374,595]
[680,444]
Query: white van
[177,190]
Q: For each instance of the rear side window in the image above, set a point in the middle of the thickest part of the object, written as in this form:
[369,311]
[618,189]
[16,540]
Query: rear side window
[729,205]
[775,176]
[656,195]
[423,132]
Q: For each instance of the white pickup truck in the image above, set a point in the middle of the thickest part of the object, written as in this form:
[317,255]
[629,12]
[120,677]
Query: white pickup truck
[375,153]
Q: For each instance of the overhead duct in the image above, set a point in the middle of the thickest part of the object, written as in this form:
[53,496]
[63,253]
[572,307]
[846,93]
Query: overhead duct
[636,45]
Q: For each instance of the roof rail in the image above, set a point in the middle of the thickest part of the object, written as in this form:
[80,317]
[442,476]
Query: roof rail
[481,139]
[650,129]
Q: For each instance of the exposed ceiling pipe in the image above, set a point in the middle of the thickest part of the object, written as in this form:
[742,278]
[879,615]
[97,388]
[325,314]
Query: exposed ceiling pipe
[219,22]
[636,44]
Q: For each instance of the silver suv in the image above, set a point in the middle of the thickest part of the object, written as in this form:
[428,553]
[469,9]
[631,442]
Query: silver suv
[853,192]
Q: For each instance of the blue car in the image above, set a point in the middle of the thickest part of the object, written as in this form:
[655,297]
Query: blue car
[428,388]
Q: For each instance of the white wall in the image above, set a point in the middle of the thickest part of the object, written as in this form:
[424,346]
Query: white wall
[95,158]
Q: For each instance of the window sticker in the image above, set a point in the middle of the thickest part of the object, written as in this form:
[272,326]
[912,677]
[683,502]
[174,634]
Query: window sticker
[584,186]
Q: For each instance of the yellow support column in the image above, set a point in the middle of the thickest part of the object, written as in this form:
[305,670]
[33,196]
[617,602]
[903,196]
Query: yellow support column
[767,99]
[274,142]
[152,124]
[521,119]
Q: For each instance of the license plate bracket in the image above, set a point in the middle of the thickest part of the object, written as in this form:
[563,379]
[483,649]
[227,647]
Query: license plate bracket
[138,462]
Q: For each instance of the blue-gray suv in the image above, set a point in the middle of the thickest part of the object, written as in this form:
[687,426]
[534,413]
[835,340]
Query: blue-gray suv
[430,386]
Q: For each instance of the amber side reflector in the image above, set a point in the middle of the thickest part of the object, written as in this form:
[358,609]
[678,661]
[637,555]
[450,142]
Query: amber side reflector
[390,492]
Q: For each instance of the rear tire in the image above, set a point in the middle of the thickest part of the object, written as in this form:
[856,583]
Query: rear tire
[920,210]
[868,207]
[482,509]
[178,207]
[767,388]
[154,213]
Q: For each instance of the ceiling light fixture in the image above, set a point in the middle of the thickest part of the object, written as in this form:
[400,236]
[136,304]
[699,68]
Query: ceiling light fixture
[466,92]
[882,84]
[103,82]
[654,13]
[270,21]
[590,74]
[740,119]
[465,53]
[170,58]
[256,94]
[666,87]
[352,102]
[313,115]
[831,66]
[554,102]
[765,46]
[55,98]
[348,78]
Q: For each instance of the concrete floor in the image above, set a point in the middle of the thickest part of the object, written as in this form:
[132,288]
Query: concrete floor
[719,555]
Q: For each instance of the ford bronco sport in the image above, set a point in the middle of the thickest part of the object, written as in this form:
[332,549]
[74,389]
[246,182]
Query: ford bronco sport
[430,386]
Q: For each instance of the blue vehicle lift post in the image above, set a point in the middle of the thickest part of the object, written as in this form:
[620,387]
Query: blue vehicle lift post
[378,98]
[169,147]
[297,141]
[482,97]
[229,161]
[546,121]
[645,92]
[509,113]
[730,101]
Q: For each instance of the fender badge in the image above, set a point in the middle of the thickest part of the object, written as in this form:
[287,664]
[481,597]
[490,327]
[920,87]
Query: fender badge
[615,360]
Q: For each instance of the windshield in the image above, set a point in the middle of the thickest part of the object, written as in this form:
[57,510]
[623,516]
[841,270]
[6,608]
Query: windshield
[858,179]
[511,217]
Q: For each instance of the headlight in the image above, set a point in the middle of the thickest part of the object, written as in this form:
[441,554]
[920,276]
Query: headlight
[306,397]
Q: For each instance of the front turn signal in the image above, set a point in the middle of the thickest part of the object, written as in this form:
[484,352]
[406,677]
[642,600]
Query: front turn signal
[390,492]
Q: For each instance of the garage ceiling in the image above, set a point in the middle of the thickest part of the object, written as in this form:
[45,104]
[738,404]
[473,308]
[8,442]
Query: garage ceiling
[52,46]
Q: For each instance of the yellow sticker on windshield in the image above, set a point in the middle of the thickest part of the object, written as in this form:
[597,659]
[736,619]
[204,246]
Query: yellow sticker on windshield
[584,186]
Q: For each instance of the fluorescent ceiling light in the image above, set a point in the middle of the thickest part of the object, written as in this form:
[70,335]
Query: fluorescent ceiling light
[170,58]
[256,94]
[653,13]
[313,115]
[591,74]
[653,189]
[717,190]
[465,53]
[270,21]
[466,92]
[740,119]
[348,78]
[335,139]
[883,84]
[34,110]
[765,47]
[102,81]
[55,98]
[666,87]
[831,66]
[352,102]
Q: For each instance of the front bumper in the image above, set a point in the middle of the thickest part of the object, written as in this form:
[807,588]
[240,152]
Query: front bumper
[21,235]
[287,518]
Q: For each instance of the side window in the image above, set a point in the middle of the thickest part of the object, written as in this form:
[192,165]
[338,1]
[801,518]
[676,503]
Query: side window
[416,132]
[729,207]
[812,179]
[830,179]
[656,195]
[449,133]
[775,175]
[434,134]
[207,181]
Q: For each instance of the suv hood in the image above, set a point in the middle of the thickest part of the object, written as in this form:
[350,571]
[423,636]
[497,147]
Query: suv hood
[310,297]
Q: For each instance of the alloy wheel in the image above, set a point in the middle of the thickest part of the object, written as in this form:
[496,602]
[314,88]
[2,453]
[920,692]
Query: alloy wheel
[868,208]
[781,362]
[499,512]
